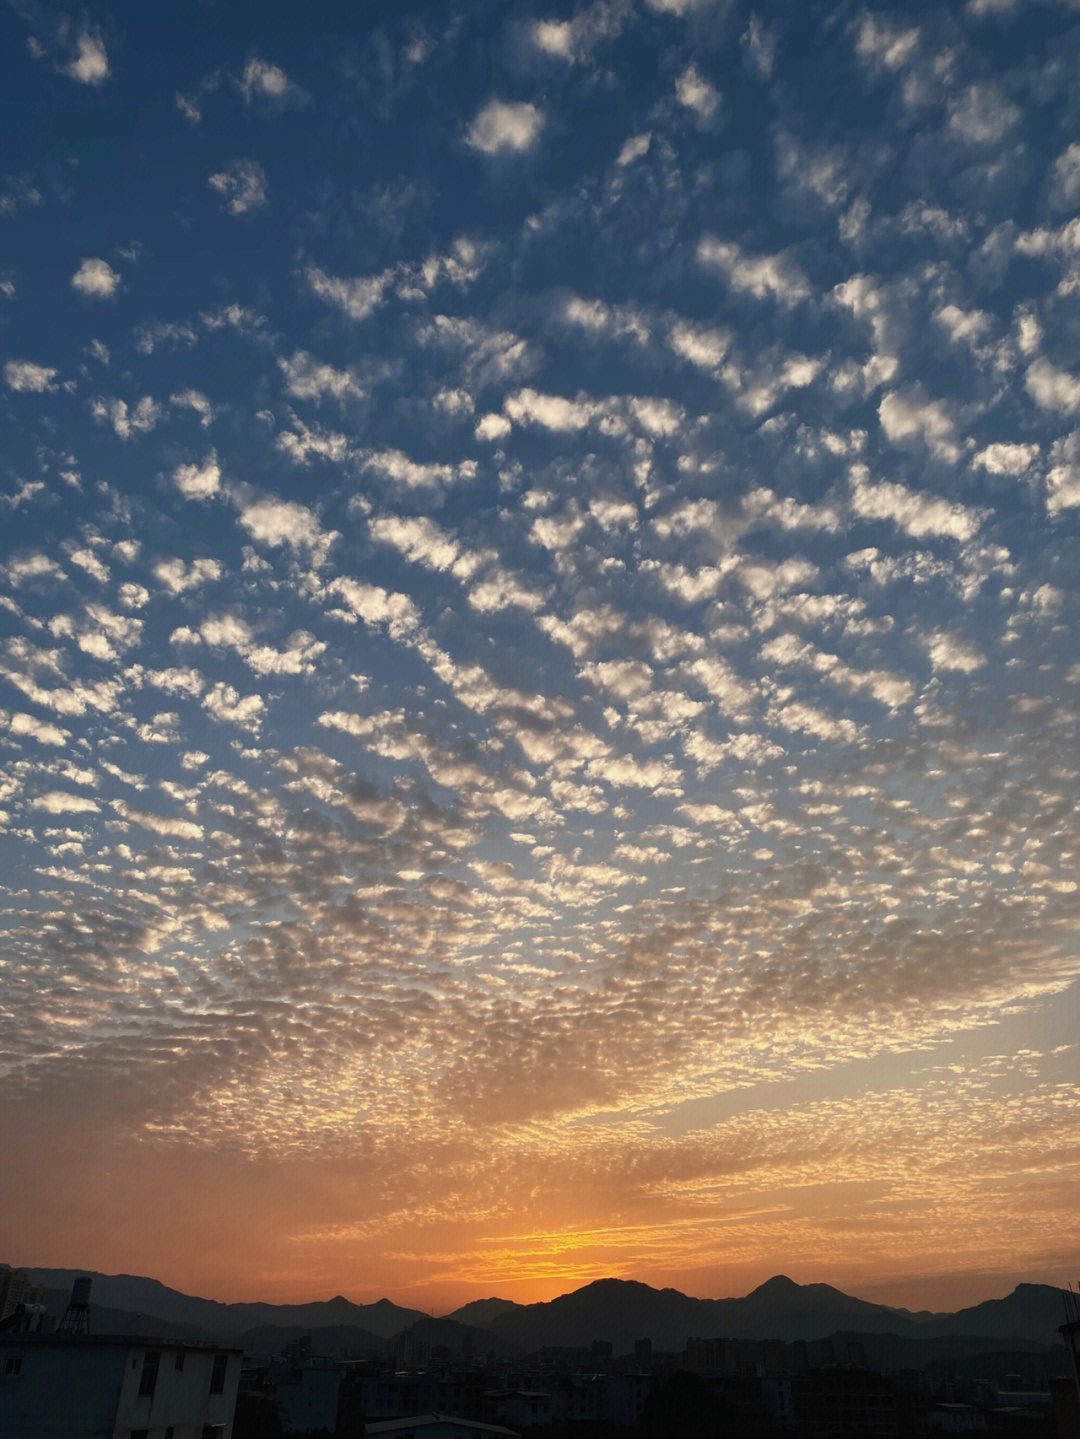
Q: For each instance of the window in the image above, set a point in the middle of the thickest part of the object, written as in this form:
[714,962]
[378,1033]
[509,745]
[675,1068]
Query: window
[140,1434]
[148,1379]
[213,1431]
[179,1360]
[13,1364]
[217,1377]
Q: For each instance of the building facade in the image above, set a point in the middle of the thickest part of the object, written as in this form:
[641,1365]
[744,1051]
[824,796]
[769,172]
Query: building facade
[57,1386]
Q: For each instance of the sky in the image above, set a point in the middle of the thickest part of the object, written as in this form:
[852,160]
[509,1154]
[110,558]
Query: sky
[538,646]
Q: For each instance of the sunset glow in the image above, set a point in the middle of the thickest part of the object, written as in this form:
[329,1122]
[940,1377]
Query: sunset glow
[539,671]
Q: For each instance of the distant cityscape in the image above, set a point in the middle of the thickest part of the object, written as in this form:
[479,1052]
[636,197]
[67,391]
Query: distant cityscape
[128,1358]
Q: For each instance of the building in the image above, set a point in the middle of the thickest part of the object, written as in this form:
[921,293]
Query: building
[1065,1393]
[949,1418]
[436,1426]
[712,1356]
[16,1289]
[307,1399]
[59,1386]
[844,1404]
[528,1409]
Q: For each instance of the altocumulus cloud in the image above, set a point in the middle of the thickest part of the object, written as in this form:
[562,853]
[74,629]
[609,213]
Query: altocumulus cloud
[505,126]
[96,278]
[522,627]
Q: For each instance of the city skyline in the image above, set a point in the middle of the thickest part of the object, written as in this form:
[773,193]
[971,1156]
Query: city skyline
[538,647]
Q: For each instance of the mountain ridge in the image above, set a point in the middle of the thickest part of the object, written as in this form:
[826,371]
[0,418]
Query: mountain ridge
[616,1311]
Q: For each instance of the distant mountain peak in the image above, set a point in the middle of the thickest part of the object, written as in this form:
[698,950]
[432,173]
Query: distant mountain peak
[778,1284]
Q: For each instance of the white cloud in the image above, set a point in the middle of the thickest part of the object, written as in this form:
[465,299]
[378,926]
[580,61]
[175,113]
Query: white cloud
[887,688]
[376,606]
[553,412]
[310,379]
[128,420]
[199,482]
[25,375]
[499,590]
[32,566]
[676,7]
[554,37]
[274,522]
[758,390]
[90,63]
[57,801]
[690,586]
[228,706]
[655,415]
[1063,475]
[765,581]
[157,823]
[1053,389]
[696,93]
[459,266]
[414,474]
[1065,180]
[757,275]
[701,345]
[262,78]
[492,427]
[634,148]
[96,278]
[421,540]
[99,631]
[918,515]
[87,560]
[802,718]
[574,39]
[304,441]
[880,42]
[820,170]
[178,578]
[502,126]
[1007,459]
[242,186]
[949,652]
[358,297]
[194,400]
[906,416]
[759,45]
[230,631]
[963,326]
[982,115]
[29,726]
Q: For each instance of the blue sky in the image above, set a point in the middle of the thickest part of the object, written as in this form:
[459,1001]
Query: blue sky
[538,663]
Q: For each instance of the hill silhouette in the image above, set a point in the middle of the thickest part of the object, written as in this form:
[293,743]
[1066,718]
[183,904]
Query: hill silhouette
[134,1293]
[618,1311]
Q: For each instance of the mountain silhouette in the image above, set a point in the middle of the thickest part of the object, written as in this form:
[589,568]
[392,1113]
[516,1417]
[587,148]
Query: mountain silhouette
[149,1297]
[621,1311]
[1031,1311]
[481,1312]
[618,1311]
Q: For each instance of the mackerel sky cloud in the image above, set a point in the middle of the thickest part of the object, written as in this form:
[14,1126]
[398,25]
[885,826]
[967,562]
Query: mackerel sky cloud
[539,680]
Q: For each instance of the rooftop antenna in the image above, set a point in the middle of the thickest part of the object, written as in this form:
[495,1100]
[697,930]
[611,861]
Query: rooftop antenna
[76,1319]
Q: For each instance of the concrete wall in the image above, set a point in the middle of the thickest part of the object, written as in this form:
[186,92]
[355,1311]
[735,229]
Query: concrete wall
[91,1391]
[181,1397]
[60,1392]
